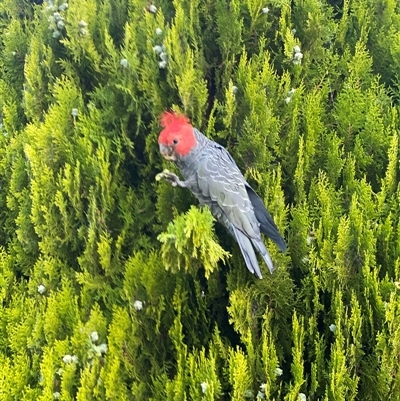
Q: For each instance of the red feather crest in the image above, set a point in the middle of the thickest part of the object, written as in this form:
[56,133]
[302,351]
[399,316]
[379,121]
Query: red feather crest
[171,121]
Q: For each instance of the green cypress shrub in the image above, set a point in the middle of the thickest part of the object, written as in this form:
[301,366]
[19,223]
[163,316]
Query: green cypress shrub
[114,286]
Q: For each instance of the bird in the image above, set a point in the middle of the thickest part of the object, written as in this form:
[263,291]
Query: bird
[212,175]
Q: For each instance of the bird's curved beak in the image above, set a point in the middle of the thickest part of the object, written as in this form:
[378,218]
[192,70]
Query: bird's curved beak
[167,152]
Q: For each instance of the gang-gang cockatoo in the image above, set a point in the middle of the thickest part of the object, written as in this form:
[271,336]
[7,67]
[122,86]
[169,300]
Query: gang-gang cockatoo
[214,178]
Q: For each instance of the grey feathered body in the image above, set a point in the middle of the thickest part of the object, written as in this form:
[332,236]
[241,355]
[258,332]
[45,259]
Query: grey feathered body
[214,178]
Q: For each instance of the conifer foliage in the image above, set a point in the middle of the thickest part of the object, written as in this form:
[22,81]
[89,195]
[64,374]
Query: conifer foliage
[113,286]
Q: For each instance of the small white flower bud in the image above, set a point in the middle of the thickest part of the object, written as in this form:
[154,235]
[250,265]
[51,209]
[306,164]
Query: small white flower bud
[82,24]
[56,34]
[67,358]
[74,112]
[162,64]
[152,8]
[204,386]
[63,7]
[138,305]
[235,89]
[265,10]
[41,289]
[56,395]
[278,372]
[60,24]
[103,348]
[302,397]
[163,56]
[158,31]
[298,56]
[332,328]
[74,359]
[297,49]
[288,99]
[57,16]
[158,49]
[124,62]
[94,336]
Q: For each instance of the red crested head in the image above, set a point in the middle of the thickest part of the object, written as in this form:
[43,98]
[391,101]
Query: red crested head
[177,138]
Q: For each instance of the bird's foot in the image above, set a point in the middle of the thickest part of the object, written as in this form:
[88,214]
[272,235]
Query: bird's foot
[171,177]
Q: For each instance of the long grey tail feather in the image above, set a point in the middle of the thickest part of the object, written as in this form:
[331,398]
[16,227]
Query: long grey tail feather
[263,251]
[248,252]
[267,224]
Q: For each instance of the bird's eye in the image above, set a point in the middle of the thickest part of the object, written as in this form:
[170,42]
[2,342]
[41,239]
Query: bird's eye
[175,141]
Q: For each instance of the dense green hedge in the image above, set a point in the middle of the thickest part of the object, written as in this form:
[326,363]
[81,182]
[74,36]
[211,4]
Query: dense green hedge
[112,286]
